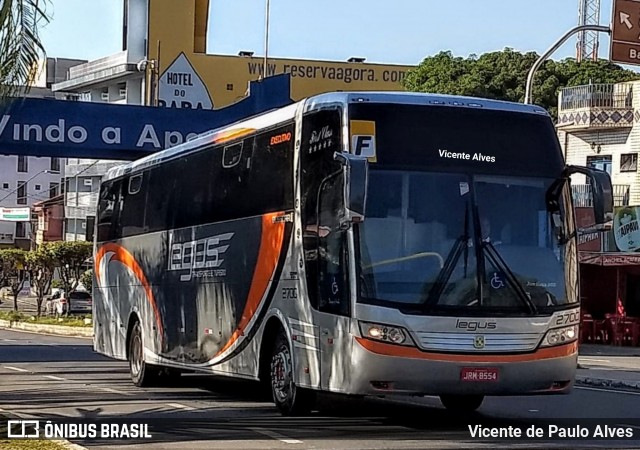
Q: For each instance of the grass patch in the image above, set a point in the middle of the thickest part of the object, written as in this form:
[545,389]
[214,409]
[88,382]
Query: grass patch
[24,444]
[29,444]
[71,321]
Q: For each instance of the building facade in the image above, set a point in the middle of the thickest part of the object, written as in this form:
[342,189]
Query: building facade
[25,180]
[48,221]
[599,126]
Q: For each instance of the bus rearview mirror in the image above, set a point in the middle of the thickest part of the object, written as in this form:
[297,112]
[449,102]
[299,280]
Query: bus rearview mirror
[355,173]
[602,191]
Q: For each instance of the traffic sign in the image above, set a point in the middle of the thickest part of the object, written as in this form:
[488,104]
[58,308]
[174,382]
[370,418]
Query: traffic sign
[625,36]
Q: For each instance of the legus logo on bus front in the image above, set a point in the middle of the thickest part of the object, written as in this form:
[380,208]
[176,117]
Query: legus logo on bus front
[280,138]
[200,258]
[474,325]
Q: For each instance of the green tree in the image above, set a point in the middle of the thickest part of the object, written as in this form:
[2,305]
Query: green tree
[87,279]
[502,76]
[20,44]
[42,266]
[14,270]
[70,258]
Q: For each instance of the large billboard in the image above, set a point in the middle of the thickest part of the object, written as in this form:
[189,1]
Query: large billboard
[190,78]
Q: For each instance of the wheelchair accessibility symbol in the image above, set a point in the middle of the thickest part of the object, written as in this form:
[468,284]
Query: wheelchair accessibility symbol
[496,281]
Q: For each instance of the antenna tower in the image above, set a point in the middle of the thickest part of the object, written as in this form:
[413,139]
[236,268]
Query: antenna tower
[588,41]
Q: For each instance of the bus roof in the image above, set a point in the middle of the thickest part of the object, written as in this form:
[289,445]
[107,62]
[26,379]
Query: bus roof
[274,117]
[419,98]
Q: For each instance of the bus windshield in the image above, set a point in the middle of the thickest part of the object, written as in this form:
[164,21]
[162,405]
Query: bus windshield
[439,242]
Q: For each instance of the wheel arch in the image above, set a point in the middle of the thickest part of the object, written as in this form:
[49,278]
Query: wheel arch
[133,319]
[273,326]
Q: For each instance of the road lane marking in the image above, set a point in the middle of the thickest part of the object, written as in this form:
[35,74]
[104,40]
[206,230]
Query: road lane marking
[180,406]
[609,390]
[53,377]
[594,360]
[277,436]
[534,410]
[9,340]
[18,415]
[114,391]
[17,369]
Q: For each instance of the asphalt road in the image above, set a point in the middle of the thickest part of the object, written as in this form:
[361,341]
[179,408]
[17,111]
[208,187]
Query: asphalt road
[54,377]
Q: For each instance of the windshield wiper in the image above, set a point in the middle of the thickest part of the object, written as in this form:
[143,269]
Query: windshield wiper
[450,264]
[500,263]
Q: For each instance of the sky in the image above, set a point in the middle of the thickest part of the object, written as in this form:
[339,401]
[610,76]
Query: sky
[397,31]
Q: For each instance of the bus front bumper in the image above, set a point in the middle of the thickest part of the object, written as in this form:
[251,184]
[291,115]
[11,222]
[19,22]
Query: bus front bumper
[381,368]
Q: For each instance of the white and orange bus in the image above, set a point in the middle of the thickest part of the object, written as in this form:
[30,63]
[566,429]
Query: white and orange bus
[357,243]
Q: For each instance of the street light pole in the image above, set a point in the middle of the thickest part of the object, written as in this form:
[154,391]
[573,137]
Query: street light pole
[75,219]
[553,48]
[266,39]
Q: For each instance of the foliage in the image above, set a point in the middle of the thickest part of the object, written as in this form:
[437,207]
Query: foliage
[12,316]
[56,284]
[87,279]
[70,258]
[13,265]
[20,44]
[71,321]
[502,76]
[42,265]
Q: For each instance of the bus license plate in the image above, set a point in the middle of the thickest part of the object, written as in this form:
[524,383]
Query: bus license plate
[476,374]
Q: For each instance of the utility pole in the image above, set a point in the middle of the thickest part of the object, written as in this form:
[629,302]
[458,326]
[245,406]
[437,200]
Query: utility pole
[266,40]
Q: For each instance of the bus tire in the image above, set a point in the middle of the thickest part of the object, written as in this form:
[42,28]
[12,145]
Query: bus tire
[290,399]
[142,374]
[462,403]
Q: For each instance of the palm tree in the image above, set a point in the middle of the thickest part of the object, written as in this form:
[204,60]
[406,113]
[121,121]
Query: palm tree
[20,45]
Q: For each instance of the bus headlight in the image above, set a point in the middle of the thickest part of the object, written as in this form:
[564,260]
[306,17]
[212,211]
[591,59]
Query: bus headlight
[560,336]
[385,333]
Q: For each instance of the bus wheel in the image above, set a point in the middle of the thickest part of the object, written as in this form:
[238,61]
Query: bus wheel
[462,403]
[289,399]
[142,374]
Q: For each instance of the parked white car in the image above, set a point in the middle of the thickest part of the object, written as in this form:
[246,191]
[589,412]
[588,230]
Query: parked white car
[75,303]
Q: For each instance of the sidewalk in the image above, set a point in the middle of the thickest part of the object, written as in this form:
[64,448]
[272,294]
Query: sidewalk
[609,367]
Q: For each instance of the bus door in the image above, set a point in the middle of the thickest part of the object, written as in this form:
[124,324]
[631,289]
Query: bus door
[333,307]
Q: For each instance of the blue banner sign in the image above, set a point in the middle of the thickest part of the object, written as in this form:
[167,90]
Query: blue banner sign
[43,127]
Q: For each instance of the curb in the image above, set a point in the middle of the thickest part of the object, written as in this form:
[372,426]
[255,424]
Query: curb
[608,383]
[58,330]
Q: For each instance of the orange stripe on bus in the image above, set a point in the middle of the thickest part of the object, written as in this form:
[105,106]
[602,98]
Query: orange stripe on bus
[226,136]
[399,351]
[122,255]
[268,256]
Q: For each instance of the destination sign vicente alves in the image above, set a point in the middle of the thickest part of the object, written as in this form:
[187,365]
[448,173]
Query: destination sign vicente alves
[466,156]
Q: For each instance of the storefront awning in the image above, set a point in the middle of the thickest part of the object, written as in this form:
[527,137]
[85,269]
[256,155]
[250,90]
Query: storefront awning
[610,259]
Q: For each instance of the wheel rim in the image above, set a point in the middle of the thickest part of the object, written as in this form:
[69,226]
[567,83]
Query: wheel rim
[136,355]
[281,379]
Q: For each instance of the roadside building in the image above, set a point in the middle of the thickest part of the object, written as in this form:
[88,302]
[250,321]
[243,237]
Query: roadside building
[599,126]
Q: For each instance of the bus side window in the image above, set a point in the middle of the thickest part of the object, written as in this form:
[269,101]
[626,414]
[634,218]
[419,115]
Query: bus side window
[133,207]
[332,251]
[109,207]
